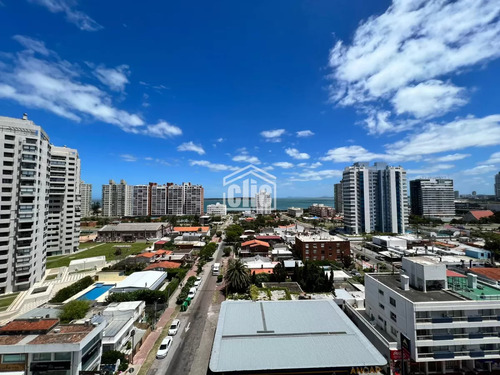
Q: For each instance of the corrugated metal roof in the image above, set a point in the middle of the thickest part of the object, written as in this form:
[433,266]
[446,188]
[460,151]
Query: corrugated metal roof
[288,335]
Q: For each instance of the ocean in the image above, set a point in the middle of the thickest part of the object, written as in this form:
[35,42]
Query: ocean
[284,203]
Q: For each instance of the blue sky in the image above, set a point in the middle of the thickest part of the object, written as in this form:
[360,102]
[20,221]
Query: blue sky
[191,91]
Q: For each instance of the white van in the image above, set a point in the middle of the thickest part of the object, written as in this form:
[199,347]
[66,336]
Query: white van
[192,293]
[216,269]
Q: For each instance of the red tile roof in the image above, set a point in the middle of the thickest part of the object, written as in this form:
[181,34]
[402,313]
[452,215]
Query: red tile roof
[450,273]
[29,325]
[491,273]
[162,252]
[147,255]
[262,270]
[164,264]
[160,242]
[268,238]
[253,243]
[481,213]
[191,229]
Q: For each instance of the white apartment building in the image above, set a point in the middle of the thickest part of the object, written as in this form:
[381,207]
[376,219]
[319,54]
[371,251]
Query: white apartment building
[140,200]
[217,209]
[63,227]
[24,203]
[158,194]
[433,198]
[263,202]
[117,199]
[185,199]
[450,320]
[295,211]
[375,198]
[86,199]
[42,346]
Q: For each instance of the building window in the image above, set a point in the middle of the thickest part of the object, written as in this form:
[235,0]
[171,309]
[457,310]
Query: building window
[392,301]
[66,356]
[394,331]
[381,292]
[39,357]
[13,358]
[381,306]
[393,316]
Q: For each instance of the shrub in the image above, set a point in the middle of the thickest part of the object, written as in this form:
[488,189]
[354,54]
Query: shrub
[111,356]
[227,251]
[74,310]
[73,289]
[185,290]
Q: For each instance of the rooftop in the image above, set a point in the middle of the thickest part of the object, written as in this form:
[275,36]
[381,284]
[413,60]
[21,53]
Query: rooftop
[283,335]
[253,243]
[165,264]
[320,237]
[479,214]
[143,279]
[394,282]
[490,273]
[26,326]
[131,227]
[68,334]
[191,229]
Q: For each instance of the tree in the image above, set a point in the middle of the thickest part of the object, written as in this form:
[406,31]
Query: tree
[75,309]
[237,276]
[279,273]
[346,260]
[227,251]
[110,357]
[233,233]
[96,206]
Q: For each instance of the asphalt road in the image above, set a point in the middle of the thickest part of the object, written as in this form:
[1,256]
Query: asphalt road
[190,351]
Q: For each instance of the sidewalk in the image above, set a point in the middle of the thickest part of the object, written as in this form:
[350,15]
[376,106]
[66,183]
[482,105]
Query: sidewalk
[147,346]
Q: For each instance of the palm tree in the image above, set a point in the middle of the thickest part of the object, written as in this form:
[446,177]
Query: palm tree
[96,206]
[237,276]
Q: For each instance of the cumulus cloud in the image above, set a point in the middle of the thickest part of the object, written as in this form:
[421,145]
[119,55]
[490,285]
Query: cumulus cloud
[296,154]
[114,78]
[430,169]
[481,169]
[56,85]
[246,159]
[309,175]
[305,133]
[309,166]
[447,158]
[401,55]
[190,146]
[349,154]
[214,167]
[67,7]
[128,157]
[283,164]
[494,158]
[273,135]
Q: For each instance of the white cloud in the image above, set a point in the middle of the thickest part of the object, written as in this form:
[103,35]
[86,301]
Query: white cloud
[349,154]
[400,55]
[430,169]
[212,166]
[162,130]
[305,133]
[246,159]
[379,122]
[283,164]
[273,135]
[455,135]
[310,166]
[190,146]
[309,175]
[32,44]
[128,157]
[494,158]
[428,99]
[480,169]
[296,154]
[76,17]
[447,158]
[114,78]
[220,140]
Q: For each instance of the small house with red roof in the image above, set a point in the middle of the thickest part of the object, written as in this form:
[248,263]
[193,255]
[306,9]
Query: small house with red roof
[163,266]
[254,247]
[476,215]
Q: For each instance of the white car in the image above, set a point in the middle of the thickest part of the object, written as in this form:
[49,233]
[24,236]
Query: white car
[174,327]
[197,282]
[164,347]
[192,293]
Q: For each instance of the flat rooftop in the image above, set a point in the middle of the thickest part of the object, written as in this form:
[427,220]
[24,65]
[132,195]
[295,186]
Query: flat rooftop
[320,237]
[288,335]
[394,282]
[131,227]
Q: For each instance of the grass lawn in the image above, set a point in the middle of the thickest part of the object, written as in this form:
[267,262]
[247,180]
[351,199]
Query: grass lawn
[106,249]
[5,301]
[86,245]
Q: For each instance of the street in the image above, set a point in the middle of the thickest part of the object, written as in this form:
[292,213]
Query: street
[190,351]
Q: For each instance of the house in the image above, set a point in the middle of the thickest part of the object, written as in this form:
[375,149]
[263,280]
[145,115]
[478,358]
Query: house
[322,247]
[204,231]
[121,318]
[130,232]
[254,247]
[475,216]
[163,266]
[144,280]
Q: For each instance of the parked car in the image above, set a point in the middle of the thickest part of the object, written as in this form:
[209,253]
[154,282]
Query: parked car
[192,293]
[174,327]
[197,282]
[164,347]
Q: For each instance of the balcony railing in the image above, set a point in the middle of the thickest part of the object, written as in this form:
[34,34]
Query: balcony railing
[457,336]
[454,319]
[475,353]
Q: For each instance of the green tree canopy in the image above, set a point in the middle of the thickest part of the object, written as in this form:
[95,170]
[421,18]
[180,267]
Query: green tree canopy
[237,276]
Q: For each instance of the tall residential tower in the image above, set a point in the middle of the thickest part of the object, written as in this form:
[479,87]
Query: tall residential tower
[432,198]
[117,199]
[86,199]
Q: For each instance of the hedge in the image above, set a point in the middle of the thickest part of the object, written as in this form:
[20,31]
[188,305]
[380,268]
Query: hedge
[185,290]
[73,289]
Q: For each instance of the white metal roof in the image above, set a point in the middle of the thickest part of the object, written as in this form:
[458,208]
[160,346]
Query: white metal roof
[141,280]
[278,335]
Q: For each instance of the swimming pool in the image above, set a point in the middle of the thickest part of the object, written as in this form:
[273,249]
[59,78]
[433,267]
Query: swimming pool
[98,290]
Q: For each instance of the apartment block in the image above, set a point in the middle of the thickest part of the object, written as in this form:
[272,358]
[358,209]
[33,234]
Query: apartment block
[263,203]
[63,227]
[375,198]
[140,200]
[158,199]
[24,203]
[117,199]
[448,319]
[497,186]
[185,199]
[320,210]
[433,198]
[322,246]
[86,199]
[217,209]
[338,197]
